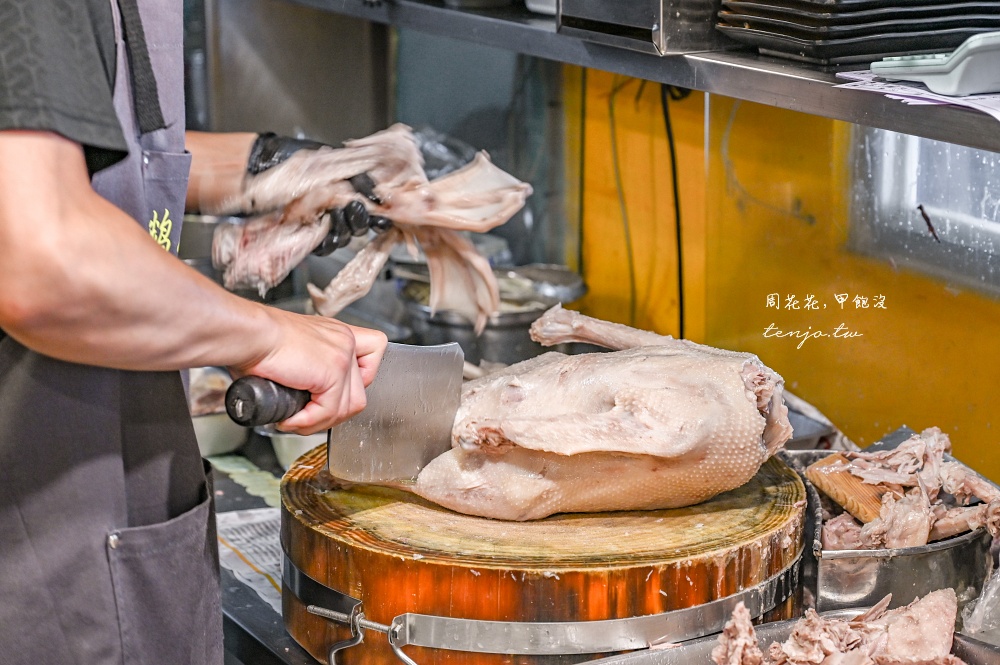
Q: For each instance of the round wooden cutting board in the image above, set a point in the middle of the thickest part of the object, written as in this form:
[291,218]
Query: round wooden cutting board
[398,553]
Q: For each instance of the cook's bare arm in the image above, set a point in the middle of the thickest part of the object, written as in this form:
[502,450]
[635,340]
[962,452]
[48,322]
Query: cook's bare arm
[218,167]
[220,163]
[83,282]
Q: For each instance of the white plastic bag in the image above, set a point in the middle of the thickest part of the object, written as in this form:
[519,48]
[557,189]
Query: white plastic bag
[981,617]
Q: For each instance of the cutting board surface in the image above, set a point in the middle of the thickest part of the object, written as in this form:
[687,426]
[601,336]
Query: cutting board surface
[399,553]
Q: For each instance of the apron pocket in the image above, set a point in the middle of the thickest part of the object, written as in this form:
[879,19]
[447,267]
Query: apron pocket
[165,178]
[166,585]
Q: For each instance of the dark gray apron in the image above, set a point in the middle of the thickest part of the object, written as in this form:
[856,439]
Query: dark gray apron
[107,537]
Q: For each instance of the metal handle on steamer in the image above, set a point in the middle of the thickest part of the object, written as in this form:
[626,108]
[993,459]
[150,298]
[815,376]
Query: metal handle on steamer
[253,401]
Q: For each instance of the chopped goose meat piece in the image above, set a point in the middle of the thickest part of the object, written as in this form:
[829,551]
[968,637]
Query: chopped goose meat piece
[961,519]
[738,641]
[391,157]
[356,278]
[917,515]
[908,520]
[263,251]
[842,533]
[815,639]
[965,484]
[917,460]
[920,633]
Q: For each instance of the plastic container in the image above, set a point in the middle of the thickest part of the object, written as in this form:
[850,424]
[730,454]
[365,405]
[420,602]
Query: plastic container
[290,447]
[217,434]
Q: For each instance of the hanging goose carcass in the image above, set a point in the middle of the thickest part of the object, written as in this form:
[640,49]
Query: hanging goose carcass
[477,198]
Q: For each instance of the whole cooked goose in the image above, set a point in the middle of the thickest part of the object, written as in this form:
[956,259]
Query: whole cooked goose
[658,423]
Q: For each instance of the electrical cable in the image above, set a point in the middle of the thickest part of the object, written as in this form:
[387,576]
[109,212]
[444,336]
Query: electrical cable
[667,93]
[580,184]
[620,189]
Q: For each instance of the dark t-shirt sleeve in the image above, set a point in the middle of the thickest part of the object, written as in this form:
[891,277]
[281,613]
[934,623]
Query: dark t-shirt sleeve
[57,61]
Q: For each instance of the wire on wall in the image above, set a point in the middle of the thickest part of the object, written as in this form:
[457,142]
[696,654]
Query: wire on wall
[581,185]
[620,189]
[668,93]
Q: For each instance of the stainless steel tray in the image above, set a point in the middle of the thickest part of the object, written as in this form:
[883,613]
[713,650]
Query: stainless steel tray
[699,652]
[660,27]
[851,578]
[860,578]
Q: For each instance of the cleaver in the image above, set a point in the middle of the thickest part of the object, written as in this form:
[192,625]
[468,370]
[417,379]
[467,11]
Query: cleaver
[407,421]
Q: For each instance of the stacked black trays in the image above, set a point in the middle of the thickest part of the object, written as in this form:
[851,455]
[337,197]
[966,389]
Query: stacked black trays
[831,32]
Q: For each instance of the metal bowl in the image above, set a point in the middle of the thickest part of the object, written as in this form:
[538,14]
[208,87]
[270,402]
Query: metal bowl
[552,283]
[525,291]
[504,340]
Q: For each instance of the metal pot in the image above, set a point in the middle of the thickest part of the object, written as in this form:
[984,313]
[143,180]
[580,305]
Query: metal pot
[696,652]
[351,315]
[526,291]
[504,340]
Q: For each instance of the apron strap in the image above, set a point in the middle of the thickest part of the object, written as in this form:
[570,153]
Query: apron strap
[144,91]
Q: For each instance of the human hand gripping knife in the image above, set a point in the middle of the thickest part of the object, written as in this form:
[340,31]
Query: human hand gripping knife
[407,422]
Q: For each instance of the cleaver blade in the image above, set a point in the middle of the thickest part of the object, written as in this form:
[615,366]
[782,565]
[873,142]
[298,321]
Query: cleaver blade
[407,422]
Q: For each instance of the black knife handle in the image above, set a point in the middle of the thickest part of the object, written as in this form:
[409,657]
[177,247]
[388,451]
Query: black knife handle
[253,401]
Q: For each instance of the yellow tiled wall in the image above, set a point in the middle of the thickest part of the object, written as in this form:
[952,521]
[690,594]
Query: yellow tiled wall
[765,210]
[627,194]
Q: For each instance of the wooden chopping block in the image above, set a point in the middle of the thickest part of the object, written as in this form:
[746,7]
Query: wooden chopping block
[398,553]
[860,499]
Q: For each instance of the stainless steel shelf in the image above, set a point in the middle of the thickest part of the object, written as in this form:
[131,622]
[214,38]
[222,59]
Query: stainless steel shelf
[741,74]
